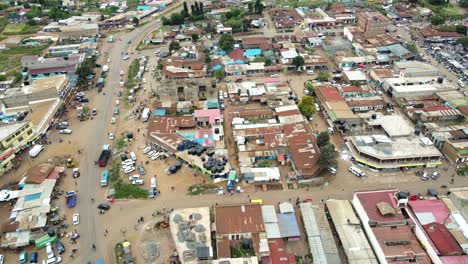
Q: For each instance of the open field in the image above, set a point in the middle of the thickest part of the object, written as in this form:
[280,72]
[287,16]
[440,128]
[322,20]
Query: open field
[11,59]
[18,29]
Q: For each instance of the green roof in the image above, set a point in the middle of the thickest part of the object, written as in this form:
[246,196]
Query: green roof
[459,101]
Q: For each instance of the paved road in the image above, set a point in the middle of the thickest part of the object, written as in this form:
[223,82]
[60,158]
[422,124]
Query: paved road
[96,138]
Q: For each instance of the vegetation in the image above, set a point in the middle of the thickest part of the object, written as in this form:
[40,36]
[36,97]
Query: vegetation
[265,163]
[219,74]
[306,106]
[298,61]
[323,139]
[132,72]
[453,28]
[136,21]
[194,37]
[413,48]
[3,23]
[310,88]
[226,42]
[437,20]
[197,13]
[328,156]
[123,189]
[10,60]
[323,76]
[238,252]
[462,171]
[86,68]
[235,18]
[299,3]
[442,8]
[174,45]
[19,29]
[463,41]
[198,189]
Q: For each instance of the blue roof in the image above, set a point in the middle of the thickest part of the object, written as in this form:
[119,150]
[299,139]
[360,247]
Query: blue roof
[252,52]
[159,112]
[217,67]
[212,103]
[393,15]
[143,8]
[239,62]
[288,225]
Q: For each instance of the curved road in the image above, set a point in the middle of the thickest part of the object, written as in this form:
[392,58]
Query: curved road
[96,137]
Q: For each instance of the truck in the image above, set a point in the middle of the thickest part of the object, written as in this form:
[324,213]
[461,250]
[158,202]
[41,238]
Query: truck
[105,155]
[145,115]
[105,68]
[34,151]
[71,199]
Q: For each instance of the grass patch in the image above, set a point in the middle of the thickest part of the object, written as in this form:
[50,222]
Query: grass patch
[3,23]
[265,163]
[11,58]
[446,10]
[122,142]
[123,189]
[413,48]
[132,3]
[18,29]
[198,189]
[462,171]
[132,72]
[298,3]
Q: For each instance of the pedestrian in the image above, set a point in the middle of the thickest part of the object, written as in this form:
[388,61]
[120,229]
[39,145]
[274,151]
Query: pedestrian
[76,183]
[107,231]
[289,199]
[452,181]
[69,142]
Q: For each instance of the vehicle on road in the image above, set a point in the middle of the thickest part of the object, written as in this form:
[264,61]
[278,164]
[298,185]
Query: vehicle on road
[60,247]
[116,111]
[121,72]
[23,257]
[144,80]
[76,173]
[76,219]
[104,178]
[49,250]
[145,114]
[126,57]
[32,258]
[70,199]
[110,136]
[424,176]
[332,170]
[54,260]
[117,102]
[34,151]
[2,259]
[357,171]
[94,111]
[65,131]
[119,93]
[105,156]
[435,175]
[103,206]
[113,120]
[122,83]
[151,192]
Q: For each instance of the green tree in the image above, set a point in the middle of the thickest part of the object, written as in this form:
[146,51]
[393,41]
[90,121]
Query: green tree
[438,2]
[298,61]
[177,19]
[323,76]
[194,37]
[267,61]
[174,45]
[306,106]
[460,29]
[192,9]
[219,74]
[258,6]
[250,7]
[226,42]
[135,21]
[2,78]
[463,41]
[202,11]
[437,20]
[185,12]
[322,139]
[85,69]
[328,156]
[310,88]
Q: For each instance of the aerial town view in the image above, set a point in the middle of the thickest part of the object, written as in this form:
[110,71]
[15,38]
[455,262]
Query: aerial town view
[234,131]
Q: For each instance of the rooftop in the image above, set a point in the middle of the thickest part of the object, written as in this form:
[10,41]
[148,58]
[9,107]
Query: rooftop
[326,93]
[394,125]
[429,211]
[170,124]
[212,114]
[442,239]
[369,201]
[237,219]
[355,75]
[9,128]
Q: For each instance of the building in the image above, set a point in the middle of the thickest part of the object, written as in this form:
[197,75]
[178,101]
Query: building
[79,31]
[193,90]
[456,151]
[387,228]
[87,48]
[239,222]
[13,138]
[416,86]
[415,69]
[37,67]
[350,232]
[372,23]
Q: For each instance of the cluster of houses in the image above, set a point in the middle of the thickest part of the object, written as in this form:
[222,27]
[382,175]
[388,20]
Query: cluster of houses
[382,226]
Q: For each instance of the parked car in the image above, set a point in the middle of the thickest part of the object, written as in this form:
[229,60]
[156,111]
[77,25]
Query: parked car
[138,182]
[155,156]
[133,156]
[84,100]
[128,170]
[113,120]
[54,260]
[23,257]
[49,250]
[116,111]
[141,170]
[76,219]
[424,176]
[134,177]
[119,93]
[60,247]
[65,131]
[332,170]
[111,136]
[103,206]
[94,111]
[146,150]
[435,175]
[122,83]
[32,258]
[357,171]
[2,259]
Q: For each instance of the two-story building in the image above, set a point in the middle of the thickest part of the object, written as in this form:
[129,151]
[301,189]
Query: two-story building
[13,137]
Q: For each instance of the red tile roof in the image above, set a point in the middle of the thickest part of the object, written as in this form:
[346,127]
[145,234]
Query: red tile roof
[350,89]
[326,93]
[443,239]
[436,207]
[255,40]
[454,259]
[278,252]
[170,124]
[236,54]
[369,201]
[238,219]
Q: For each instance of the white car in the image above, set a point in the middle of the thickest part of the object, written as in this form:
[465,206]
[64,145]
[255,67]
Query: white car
[149,154]
[128,170]
[117,102]
[144,80]
[155,156]
[138,182]
[108,60]
[146,150]
[113,120]
[76,219]
[134,177]
[133,156]
[111,136]
[121,72]
[2,259]
[50,252]
[126,57]
[65,131]
[122,83]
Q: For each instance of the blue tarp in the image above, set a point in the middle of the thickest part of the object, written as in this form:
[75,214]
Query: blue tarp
[159,112]
[239,62]
[217,67]
[252,52]
[222,52]
[143,8]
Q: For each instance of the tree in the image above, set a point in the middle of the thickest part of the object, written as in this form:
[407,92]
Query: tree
[174,45]
[323,138]
[460,29]
[194,37]
[463,41]
[202,12]
[437,20]
[192,9]
[328,156]
[196,9]
[185,12]
[135,21]
[310,88]
[258,6]
[438,2]
[219,74]
[306,106]
[177,19]
[298,61]
[85,69]
[267,61]
[226,42]
[250,7]
[323,76]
